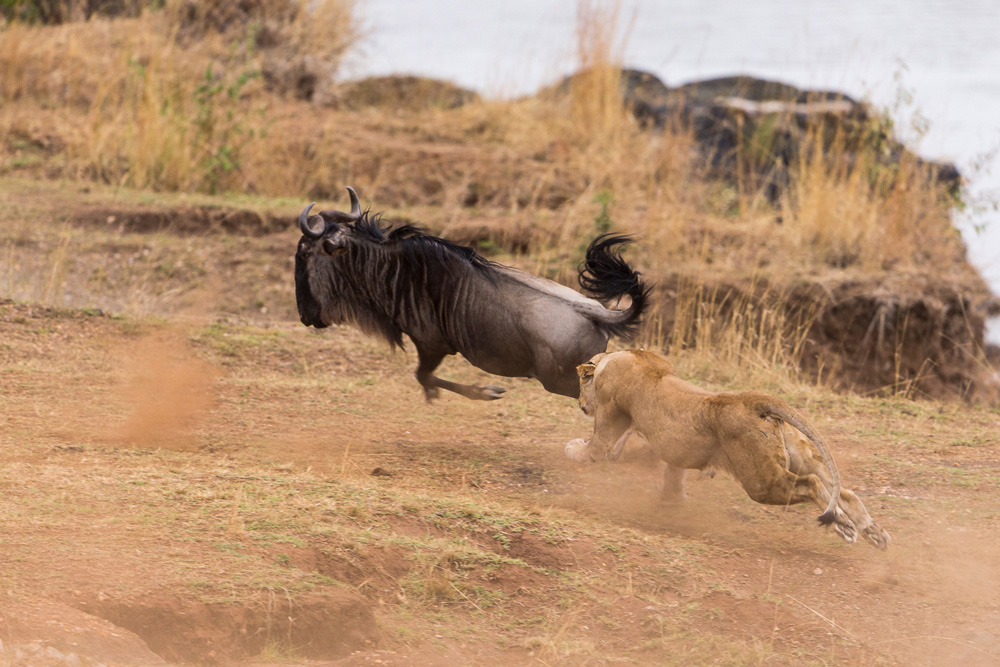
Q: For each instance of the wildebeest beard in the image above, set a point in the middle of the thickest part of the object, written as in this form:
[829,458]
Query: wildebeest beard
[309,310]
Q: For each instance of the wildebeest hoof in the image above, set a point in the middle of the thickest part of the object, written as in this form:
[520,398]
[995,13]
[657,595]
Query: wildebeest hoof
[430,393]
[491,392]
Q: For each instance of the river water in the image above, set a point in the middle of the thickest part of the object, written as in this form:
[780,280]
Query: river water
[937,60]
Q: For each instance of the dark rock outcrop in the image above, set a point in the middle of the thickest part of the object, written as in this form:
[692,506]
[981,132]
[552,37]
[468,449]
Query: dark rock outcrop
[757,130]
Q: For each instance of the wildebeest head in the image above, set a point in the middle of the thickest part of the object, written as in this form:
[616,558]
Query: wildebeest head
[324,239]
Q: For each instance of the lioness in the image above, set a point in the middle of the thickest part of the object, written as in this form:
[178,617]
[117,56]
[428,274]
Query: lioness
[758,439]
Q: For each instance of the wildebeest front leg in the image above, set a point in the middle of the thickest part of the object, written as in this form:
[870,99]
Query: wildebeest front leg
[429,360]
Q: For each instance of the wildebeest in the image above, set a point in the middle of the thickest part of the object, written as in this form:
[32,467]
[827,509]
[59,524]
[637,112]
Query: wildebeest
[448,299]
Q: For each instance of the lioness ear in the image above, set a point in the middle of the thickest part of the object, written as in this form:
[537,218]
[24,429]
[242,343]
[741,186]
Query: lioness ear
[586,370]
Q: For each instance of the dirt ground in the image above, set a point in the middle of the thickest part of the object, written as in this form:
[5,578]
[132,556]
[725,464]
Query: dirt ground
[205,483]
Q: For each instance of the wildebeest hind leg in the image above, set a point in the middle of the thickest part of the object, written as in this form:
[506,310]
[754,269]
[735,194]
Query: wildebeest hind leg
[429,360]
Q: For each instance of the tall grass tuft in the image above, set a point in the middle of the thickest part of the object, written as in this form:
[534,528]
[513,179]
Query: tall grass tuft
[154,125]
[595,92]
[175,99]
[746,332]
[847,207]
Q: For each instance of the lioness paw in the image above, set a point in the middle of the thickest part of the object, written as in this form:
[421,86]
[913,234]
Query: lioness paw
[576,449]
[846,532]
[876,535]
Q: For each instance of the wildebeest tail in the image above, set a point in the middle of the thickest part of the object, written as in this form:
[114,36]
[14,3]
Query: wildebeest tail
[607,277]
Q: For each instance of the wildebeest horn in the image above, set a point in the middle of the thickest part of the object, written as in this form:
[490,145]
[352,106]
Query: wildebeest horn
[339,216]
[355,203]
[304,224]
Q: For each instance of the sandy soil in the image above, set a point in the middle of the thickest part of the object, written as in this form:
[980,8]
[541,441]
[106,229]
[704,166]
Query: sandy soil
[204,481]
[190,491]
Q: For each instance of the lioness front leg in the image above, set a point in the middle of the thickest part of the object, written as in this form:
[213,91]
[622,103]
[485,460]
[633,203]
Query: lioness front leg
[611,430]
[672,490]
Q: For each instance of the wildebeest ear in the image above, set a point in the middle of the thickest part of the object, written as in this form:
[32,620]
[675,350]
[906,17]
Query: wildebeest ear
[586,370]
[331,247]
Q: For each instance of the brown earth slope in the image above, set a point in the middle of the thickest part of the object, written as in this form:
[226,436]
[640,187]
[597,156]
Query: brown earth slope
[205,492]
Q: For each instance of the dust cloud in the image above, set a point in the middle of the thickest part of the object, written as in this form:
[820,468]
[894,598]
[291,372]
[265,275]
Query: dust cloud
[167,391]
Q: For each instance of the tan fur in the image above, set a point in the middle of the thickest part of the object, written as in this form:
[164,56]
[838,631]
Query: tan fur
[758,439]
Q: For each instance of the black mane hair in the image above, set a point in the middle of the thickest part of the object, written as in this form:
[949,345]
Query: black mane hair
[416,243]
[394,280]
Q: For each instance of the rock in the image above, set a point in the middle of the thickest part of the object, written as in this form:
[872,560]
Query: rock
[412,93]
[756,129]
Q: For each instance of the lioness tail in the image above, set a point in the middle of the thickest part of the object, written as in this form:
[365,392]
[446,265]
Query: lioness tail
[786,414]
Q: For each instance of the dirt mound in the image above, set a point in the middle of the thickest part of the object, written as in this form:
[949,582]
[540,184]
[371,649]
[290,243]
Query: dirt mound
[321,625]
[182,221]
[42,632]
[906,333]
[899,333]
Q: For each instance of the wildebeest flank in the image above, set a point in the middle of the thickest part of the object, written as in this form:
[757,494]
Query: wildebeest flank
[448,300]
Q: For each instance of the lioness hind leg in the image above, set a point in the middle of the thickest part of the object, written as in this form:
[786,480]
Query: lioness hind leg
[852,506]
[787,488]
[802,460]
[760,463]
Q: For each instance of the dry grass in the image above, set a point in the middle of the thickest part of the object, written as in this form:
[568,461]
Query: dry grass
[595,93]
[144,104]
[172,100]
[866,213]
[746,335]
[134,102]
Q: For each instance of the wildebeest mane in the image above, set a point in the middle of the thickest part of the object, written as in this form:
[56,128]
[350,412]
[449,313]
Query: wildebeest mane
[399,277]
[418,245]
